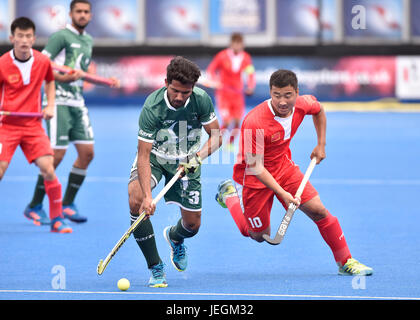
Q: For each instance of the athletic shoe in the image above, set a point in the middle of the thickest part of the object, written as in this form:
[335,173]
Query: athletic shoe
[37,215]
[59,225]
[70,212]
[157,279]
[354,268]
[224,190]
[178,252]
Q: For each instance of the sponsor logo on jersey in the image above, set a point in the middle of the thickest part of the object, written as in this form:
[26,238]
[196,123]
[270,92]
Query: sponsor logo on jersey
[145,134]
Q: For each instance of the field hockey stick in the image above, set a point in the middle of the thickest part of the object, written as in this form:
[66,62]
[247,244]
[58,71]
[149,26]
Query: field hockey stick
[104,263]
[281,232]
[86,76]
[21,114]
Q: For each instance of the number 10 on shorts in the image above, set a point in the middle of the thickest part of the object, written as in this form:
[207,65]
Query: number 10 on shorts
[255,222]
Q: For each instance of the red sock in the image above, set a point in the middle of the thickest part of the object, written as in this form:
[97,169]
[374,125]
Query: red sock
[53,191]
[234,205]
[330,229]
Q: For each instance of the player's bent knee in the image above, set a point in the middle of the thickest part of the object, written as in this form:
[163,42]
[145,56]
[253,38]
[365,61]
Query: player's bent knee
[257,236]
[319,214]
[191,220]
[323,213]
[193,226]
[134,197]
[134,202]
[134,205]
[48,173]
[88,157]
[58,156]
[84,160]
[314,209]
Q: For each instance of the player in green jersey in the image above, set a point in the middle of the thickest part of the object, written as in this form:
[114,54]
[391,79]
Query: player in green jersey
[71,47]
[169,136]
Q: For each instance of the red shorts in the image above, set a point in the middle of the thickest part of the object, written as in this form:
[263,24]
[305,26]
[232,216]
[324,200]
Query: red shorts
[258,202]
[230,106]
[33,140]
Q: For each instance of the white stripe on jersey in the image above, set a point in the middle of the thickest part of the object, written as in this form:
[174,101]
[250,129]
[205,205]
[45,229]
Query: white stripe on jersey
[24,67]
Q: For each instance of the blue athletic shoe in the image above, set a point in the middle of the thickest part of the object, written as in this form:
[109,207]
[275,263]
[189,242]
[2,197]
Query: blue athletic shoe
[37,215]
[178,252]
[157,279]
[70,212]
[59,225]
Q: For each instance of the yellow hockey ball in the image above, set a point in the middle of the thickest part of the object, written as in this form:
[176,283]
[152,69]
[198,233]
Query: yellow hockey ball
[123,284]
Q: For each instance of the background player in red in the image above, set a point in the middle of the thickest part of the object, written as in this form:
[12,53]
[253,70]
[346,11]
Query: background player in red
[22,73]
[265,169]
[227,69]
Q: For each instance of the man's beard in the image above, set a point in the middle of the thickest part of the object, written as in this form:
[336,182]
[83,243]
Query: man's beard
[79,26]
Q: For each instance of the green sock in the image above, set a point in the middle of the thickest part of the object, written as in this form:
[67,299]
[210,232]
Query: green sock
[145,238]
[39,192]
[178,233]
[76,178]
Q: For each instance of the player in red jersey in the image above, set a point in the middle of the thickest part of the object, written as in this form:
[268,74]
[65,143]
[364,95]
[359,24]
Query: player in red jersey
[22,73]
[265,169]
[227,69]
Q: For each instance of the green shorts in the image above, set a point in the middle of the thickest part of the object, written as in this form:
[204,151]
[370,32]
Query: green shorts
[186,192]
[69,124]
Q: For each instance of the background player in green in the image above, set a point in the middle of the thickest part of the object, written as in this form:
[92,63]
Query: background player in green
[169,136]
[72,47]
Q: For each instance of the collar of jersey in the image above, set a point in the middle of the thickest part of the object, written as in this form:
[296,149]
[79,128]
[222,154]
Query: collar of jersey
[277,118]
[165,96]
[12,54]
[74,30]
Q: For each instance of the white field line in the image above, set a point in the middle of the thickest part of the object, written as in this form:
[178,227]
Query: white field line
[211,294]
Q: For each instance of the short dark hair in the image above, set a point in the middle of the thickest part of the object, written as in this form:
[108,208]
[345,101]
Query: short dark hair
[22,23]
[283,78]
[74,2]
[182,70]
[236,37]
